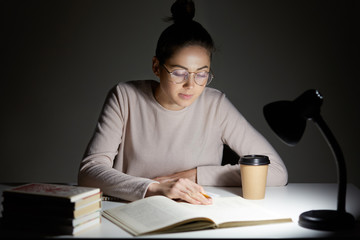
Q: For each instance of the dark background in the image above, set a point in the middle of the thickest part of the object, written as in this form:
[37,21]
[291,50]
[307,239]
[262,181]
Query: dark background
[60,58]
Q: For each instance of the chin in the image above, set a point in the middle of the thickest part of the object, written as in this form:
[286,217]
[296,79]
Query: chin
[184,104]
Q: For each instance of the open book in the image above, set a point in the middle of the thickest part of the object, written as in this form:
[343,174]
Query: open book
[159,214]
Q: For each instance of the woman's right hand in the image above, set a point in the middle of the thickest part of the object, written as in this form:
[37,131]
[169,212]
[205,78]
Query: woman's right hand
[181,189]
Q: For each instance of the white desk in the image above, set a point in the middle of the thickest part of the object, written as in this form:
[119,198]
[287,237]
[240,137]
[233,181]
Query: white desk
[291,200]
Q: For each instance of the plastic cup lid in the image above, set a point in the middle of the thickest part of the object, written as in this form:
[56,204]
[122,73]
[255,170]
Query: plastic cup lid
[254,160]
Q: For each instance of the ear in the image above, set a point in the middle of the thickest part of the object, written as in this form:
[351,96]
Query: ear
[156,66]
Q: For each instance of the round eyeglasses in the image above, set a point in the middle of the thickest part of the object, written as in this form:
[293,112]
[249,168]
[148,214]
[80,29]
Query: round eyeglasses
[181,75]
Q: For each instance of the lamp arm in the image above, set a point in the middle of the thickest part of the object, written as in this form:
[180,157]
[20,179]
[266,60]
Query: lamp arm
[339,157]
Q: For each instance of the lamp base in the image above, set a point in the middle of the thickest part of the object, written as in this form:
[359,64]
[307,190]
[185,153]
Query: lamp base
[326,220]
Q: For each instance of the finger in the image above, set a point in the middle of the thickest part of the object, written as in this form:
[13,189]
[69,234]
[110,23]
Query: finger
[195,188]
[189,197]
[201,198]
[188,191]
[195,192]
[190,185]
[175,190]
[183,191]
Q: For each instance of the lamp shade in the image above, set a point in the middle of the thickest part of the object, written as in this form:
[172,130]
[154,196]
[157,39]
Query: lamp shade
[288,118]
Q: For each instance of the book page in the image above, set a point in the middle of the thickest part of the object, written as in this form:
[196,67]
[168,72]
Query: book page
[150,214]
[234,209]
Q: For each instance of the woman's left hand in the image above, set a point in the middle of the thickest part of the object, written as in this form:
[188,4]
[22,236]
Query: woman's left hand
[189,174]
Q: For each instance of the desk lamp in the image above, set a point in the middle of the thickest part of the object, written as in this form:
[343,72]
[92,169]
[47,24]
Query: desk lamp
[288,120]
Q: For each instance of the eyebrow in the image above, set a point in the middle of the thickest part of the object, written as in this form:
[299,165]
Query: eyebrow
[176,65]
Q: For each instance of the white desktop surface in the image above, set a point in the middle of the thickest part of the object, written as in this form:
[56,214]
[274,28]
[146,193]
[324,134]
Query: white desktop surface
[290,200]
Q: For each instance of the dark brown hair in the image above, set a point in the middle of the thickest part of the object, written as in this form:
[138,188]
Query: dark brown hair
[183,32]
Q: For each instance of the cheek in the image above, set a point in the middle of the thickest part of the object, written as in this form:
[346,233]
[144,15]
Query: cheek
[168,86]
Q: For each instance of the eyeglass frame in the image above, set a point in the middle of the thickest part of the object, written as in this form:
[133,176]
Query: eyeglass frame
[210,77]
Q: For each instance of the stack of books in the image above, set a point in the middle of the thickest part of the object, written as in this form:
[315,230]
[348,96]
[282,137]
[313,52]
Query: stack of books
[51,209]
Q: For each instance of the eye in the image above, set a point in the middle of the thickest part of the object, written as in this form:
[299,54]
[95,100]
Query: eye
[180,73]
[202,74]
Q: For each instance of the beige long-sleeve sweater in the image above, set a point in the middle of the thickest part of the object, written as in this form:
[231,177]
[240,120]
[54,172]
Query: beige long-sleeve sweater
[136,139]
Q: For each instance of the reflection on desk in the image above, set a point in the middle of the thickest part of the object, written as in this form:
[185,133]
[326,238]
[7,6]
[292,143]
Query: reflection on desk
[291,200]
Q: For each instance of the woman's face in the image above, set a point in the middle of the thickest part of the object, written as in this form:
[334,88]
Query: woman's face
[178,96]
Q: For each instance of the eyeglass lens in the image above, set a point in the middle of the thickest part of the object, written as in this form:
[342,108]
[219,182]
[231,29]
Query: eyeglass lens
[183,75]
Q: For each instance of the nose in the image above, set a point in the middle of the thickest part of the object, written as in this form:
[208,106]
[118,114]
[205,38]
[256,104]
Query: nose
[190,82]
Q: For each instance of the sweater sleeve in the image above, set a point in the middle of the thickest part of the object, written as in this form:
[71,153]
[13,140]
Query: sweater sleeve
[96,168]
[244,139]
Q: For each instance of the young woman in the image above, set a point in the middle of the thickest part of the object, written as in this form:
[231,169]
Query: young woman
[167,137]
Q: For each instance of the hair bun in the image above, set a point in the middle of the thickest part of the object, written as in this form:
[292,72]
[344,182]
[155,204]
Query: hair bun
[183,11]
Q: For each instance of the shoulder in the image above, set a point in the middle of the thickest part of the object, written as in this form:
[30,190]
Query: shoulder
[213,102]
[214,98]
[134,88]
[213,95]
[213,92]
[124,94]
[134,85]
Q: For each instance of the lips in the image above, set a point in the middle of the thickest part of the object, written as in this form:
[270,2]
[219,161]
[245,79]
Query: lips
[185,96]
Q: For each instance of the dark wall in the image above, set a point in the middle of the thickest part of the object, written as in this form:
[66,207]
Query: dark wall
[61,58]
